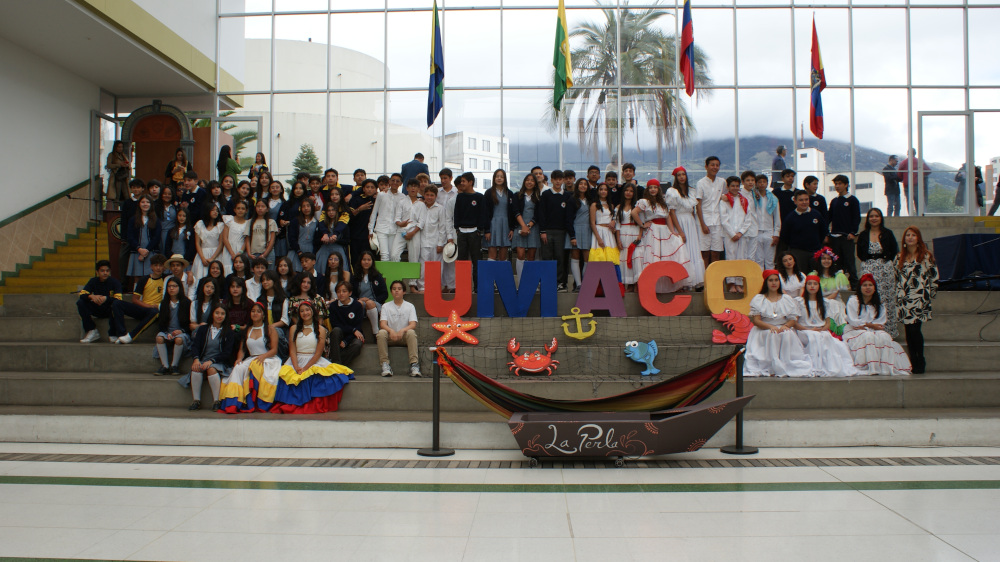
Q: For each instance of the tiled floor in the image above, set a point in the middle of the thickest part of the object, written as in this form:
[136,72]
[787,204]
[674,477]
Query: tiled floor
[185,503]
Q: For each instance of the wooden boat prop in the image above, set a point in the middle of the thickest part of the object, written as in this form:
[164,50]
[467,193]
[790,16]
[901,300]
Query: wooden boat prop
[687,389]
[621,434]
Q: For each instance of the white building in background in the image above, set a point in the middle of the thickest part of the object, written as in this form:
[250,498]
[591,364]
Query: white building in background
[479,154]
[356,118]
[868,187]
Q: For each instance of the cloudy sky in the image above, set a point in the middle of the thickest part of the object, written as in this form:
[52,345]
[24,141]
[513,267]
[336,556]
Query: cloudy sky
[478,55]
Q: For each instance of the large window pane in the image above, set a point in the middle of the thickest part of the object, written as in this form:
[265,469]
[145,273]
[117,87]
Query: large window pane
[474,114]
[836,122]
[714,36]
[300,5]
[879,47]
[245,6]
[357,51]
[248,133]
[532,135]
[936,52]
[248,50]
[300,52]
[357,132]
[984,44]
[879,126]
[408,132]
[764,62]
[299,119]
[528,35]
[714,133]
[765,122]
[471,48]
[409,50]
[831,29]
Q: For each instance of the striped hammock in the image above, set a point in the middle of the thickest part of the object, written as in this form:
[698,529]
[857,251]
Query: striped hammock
[682,390]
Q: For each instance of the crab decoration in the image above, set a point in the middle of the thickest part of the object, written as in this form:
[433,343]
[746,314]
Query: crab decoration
[532,362]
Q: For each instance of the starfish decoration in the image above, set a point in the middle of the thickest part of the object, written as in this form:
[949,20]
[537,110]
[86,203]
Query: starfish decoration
[456,328]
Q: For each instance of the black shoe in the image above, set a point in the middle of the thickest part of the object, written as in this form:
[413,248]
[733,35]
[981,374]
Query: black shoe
[216,405]
[175,371]
[196,405]
[561,288]
[161,371]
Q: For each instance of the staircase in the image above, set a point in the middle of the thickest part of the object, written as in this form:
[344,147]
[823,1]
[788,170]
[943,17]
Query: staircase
[63,270]
[53,388]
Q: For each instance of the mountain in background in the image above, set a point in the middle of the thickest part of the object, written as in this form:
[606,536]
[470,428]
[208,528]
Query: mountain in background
[756,154]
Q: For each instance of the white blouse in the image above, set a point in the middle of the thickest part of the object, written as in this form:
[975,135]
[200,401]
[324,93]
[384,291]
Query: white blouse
[774,313]
[867,315]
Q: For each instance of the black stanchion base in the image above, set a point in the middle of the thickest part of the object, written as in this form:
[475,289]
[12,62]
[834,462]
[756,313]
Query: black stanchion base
[735,450]
[435,452]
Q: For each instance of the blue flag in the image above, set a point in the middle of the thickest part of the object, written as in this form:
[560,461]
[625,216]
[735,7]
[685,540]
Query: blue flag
[435,89]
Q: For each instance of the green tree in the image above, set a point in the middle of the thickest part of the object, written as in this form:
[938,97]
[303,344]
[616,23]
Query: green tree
[306,161]
[648,59]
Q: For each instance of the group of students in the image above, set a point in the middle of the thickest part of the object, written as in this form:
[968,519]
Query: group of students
[801,328]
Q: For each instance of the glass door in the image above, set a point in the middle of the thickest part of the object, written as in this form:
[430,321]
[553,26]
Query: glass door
[938,179]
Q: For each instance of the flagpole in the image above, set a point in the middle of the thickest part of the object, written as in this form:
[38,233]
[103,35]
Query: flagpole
[561,135]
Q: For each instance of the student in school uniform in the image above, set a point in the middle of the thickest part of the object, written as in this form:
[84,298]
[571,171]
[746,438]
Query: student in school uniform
[237,304]
[468,221]
[433,231]
[500,211]
[179,239]
[409,214]
[254,283]
[816,201]
[527,216]
[361,204]
[446,198]
[145,305]
[213,350]
[174,322]
[346,317]
[398,326]
[136,188]
[207,295]
[261,234]
[331,234]
[765,206]
[382,222]
[369,288]
[845,222]
[556,221]
[95,300]
[302,232]
[289,214]
[275,302]
[274,201]
[735,220]
[143,234]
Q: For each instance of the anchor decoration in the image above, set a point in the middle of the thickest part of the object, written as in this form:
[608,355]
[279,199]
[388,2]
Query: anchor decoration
[532,362]
[579,334]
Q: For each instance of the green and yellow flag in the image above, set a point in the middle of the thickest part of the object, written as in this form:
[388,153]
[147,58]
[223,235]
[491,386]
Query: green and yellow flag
[561,60]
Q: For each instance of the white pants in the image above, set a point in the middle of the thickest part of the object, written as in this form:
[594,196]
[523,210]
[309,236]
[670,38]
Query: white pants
[713,241]
[426,255]
[763,251]
[413,254]
[739,250]
[390,246]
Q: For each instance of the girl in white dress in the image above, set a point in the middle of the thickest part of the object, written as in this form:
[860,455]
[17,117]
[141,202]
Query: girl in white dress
[684,205]
[773,348]
[236,234]
[208,242]
[660,240]
[628,232]
[257,365]
[874,351]
[792,280]
[830,357]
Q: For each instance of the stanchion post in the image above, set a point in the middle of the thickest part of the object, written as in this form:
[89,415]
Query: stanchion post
[739,448]
[436,450]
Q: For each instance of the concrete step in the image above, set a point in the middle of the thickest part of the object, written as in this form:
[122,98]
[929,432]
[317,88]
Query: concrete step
[135,425]
[57,271]
[371,392]
[52,263]
[947,302]
[530,333]
[55,280]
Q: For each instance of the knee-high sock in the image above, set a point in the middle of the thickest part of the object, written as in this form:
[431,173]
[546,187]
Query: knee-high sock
[372,314]
[518,266]
[178,351]
[215,383]
[197,377]
[161,349]
[574,266]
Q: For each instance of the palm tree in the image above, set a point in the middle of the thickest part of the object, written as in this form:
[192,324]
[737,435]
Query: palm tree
[647,59]
[241,138]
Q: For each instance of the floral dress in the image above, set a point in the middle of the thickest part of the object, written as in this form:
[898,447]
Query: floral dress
[885,280]
[917,286]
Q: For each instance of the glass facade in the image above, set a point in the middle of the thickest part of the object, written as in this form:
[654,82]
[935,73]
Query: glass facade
[350,79]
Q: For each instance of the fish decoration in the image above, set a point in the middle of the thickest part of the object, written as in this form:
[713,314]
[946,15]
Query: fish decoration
[642,352]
